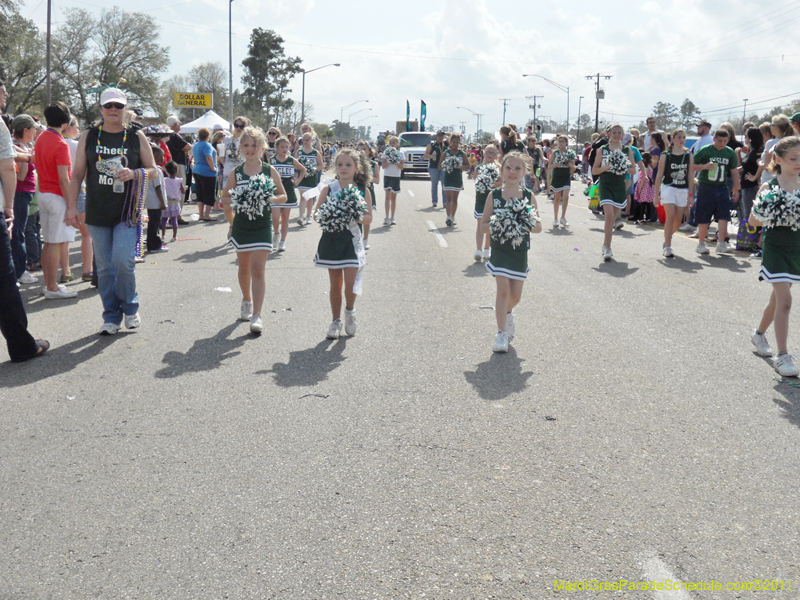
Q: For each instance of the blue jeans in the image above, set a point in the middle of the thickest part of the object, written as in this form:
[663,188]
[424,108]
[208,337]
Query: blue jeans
[22,201]
[114,252]
[437,178]
[33,241]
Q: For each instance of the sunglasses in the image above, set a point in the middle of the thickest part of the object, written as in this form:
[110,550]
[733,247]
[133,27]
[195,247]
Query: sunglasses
[111,105]
[272,133]
[238,126]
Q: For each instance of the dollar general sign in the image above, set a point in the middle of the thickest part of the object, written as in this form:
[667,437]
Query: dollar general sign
[186,100]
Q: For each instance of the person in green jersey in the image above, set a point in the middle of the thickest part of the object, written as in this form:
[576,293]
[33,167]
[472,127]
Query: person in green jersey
[292,173]
[715,163]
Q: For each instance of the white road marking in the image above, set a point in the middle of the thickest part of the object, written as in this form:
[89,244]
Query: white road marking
[439,237]
[410,193]
[656,570]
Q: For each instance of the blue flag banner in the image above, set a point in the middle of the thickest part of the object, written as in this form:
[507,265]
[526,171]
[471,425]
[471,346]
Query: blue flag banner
[423,112]
[408,116]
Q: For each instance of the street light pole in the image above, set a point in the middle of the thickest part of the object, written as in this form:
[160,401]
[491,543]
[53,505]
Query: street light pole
[48,52]
[303,96]
[230,63]
[478,120]
[350,116]
[578,133]
[563,88]
[341,113]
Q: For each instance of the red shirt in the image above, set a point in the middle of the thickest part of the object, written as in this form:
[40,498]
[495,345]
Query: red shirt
[51,152]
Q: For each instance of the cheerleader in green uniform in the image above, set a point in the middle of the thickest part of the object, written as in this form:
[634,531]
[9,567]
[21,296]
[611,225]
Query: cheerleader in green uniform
[311,159]
[251,233]
[453,176]
[612,163]
[291,173]
[777,208]
[374,178]
[560,168]
[342,208]
[510,217]
[487,177]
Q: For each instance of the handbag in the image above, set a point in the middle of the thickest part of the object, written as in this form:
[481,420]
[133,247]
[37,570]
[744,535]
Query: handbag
[748,237]
[593,191]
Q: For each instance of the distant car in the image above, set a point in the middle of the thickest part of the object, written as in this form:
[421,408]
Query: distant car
[413,144]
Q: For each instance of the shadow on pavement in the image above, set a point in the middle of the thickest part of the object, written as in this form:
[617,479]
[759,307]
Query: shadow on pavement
[476,269]
[56,361]
[309,367]
[790,403]
[615,269]
[199,255]
[623,233]
[681,264]
[725,262]
[562,231]
[499,377]
[204,355]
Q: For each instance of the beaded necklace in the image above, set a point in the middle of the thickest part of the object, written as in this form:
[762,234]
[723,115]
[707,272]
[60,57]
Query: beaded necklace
[56,131]
[100,133]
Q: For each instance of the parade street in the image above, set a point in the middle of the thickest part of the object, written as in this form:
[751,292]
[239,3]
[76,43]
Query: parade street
[631,432]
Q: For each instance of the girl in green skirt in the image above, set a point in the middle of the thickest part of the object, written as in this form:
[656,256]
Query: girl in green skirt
[453,176]
[311,159]
[487,178]
[612,163]
[510,216]
[291,173]
[342,208]
[375,177]
[777,208]
[560,168]
[251,233]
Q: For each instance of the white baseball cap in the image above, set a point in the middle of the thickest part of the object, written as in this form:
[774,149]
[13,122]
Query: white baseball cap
[172,120]
[113,95]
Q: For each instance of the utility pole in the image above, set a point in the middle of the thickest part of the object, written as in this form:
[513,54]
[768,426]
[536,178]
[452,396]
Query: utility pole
[504,101]
[48,52]
[578,124]
[533,106]
[744,112]
[230,63]
[598,95]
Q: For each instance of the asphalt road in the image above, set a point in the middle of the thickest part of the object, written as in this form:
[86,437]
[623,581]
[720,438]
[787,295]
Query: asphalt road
[630,433]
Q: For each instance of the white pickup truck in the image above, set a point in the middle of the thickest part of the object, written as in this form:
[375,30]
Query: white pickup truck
[413,144]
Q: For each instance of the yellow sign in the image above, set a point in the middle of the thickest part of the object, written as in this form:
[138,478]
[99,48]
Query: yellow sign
[186,100]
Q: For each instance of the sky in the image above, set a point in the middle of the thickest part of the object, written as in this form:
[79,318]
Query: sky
[473,53]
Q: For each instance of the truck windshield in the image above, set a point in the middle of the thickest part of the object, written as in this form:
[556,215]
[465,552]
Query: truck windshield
[415,139]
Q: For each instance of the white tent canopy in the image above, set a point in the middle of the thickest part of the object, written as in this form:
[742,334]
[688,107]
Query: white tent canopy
[207,120]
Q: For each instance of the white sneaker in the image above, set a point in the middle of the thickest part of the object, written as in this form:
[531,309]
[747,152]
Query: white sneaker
[281,245]
[26,277]
[393,221]
[453,221]
[132,321]
[256,326]
[366,243]
[247,311]
[619,224]
[760,342]
[110,329]
[387,221]
[62,292]
[607,253]
[563,222]
[685,227]
[555,223]
[301,221]
[350,322]
[478,255]
[785,367]
[510,325]
[723,248]
[335,330]
[501,342]
[668,252]
[487,254]
[701,248]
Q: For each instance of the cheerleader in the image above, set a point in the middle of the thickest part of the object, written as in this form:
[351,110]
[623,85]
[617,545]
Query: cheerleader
[560,169]
[311,159]
[777,208]
[342,208]
[453,176]
[488,177]
[375,178]
[251,233]
[291,173]
[392,172]
[510,218]
[612,163]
